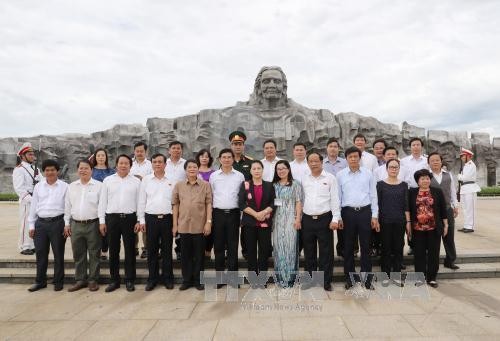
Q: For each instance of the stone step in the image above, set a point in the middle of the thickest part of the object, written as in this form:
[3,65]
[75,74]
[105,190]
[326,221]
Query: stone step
[30,262]
[467,270]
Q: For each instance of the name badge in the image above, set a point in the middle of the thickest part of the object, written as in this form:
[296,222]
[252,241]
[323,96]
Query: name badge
[278,202]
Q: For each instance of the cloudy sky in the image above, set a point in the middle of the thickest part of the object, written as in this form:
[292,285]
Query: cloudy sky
[83,66]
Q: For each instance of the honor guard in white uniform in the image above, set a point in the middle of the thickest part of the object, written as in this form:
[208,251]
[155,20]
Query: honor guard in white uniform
[24,178]
[468,189]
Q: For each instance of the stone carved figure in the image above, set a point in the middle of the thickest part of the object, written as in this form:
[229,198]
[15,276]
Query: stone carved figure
[269,113]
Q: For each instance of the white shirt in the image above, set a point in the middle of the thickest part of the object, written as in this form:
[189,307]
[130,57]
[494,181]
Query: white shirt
[225,188]
[268,173]
[380,173]
[453,192]
[47,201]
[141,169]
[22,180]
[321,195]
[369,161]
[299,170]
[118,195]
[82,201]
[175,171]
[155,196]
[412,165]
[469,173]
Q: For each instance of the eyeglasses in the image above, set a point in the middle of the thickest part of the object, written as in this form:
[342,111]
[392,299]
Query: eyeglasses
[393,167]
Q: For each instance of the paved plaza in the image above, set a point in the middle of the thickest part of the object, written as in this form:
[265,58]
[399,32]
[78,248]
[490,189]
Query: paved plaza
[464,309]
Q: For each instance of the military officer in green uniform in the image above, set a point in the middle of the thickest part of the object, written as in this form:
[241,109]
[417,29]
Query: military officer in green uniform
[242,165]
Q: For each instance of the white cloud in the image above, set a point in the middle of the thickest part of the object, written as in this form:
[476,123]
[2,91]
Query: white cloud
[85,66]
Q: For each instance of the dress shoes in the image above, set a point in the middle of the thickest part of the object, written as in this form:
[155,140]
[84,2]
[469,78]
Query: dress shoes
[348,285]
[150,286]
[130,286]
[112,287]
[219,286]
[93,286]
[58,286]
[144,254]
[200,287]
[169,285]
[468,231]
[403,267]
[433,284]
[451,266]
[77,286]
[328,287]
[410,252]
[37,286]
[28,252]
[184,286]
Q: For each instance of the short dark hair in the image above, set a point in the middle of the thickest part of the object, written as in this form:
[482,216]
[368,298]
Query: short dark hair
[379,141]
[200,154]
[125,156]
[390,148]
[332,140]
[276,178]
[358,136]
[50,163]
[314,151]
[413,139]
[190,161]
[173,143]
[297,144]
[432,154]
[351,150]
[140,143]
[94,162]
[420,173]
[84,161]
[389,161]
[158,155]
[226,150]
[256,161]
[269,141]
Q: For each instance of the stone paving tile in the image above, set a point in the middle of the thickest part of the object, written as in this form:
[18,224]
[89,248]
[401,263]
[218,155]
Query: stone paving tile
[437,324]
[379,326]
[53,330]
[117,330]
[314,328]
[219,311]
[10,329]
[245,329]
[182,330]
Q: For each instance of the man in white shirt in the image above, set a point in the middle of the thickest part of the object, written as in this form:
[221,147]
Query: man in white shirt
[176,172]
[415,161]
[154,211]
[368,161]
[380,173]
[378,150]
[141,167]
[299,166]
[269,160]
[46,224]
[117,216]
[321,214]
[444,180]
[24,178]
[226,183]
[82,225]
[468,189]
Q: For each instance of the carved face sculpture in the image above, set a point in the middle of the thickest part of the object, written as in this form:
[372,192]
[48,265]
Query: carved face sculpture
[271,84]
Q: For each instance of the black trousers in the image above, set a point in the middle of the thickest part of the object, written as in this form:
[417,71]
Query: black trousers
[340,243]
[357,224]
[317,233]
[209,242]
[121,226]
[105,245]
[449,240]
[159,237]
[376,242]
[243,242]
[426,246]
[392,237]
[258,247]
[192,253]
[226,234]
[49,234]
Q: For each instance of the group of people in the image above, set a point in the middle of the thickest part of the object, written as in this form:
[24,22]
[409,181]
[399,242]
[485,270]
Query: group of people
[272,207]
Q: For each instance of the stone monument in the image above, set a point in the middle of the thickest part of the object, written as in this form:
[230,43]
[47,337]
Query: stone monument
[269,113]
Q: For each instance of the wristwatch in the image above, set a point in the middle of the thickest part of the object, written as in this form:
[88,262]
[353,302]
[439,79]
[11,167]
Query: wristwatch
[209,221]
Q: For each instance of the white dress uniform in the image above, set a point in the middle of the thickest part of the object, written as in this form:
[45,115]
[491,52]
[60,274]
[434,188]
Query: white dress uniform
[468,192]
[23,178]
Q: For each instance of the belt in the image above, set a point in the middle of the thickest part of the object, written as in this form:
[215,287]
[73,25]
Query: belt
[227,211]
[357,209]
[88,221]
[318,216]
[468,182]
[48,219]
[159,216]
[121,215]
